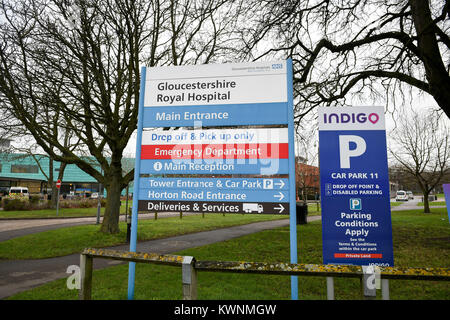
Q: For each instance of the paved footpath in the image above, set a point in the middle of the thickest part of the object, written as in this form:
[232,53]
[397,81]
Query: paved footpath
[412,204]
[21,275]
[12,228]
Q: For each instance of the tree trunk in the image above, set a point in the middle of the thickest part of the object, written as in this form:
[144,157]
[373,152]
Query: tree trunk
[110,223]
[436,73]
[426,203]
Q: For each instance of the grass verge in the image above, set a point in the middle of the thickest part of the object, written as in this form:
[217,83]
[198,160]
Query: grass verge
[395,204]
[65,241]
[420,240]
[433,203]
[51,213]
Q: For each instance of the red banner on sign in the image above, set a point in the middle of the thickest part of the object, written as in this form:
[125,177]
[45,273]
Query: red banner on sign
[216,151]
[359,255]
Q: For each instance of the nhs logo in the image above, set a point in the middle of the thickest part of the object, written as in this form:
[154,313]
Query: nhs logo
[355,204]
[277,66]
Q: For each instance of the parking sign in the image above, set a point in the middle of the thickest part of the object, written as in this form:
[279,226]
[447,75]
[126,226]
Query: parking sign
[356,218]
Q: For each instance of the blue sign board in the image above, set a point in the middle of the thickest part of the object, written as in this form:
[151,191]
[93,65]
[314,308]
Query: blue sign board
[213,194]
[446,188]
[216,115]
[230,96]
[216,166]
[354,180]
[216,183]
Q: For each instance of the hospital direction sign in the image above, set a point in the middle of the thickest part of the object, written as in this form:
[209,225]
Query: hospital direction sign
[230,151]
[200,100]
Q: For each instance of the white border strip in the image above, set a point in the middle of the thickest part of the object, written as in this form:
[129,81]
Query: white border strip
[215,136]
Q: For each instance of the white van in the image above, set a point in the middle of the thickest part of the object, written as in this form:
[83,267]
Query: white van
[19,192]
[401,196]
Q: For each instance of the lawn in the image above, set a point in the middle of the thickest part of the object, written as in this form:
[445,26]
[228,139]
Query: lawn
[48,244]
[51,213]
[395,204]
[420,240]
[433,203]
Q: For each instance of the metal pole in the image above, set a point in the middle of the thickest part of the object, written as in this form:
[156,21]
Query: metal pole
[189,278]
[57,203]
[137,169]
[385,289]
[330,288]
[126,204]
[292,188]
[99,203]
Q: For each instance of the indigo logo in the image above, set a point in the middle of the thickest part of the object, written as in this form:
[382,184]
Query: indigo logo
[351,118]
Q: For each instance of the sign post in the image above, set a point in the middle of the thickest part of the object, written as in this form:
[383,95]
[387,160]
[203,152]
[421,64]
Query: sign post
[58,186]
[233,151]
[446,188]
[356,213]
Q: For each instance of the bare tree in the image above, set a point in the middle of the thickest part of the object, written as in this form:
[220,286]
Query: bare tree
[355,49]
[77,65]
[421,145]
[307,173]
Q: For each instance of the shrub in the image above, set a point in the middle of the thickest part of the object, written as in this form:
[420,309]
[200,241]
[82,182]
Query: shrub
[16,204]
[34,200]
[81,203]
[5,201]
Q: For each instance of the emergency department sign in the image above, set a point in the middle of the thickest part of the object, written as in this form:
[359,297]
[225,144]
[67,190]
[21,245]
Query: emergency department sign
[356,213]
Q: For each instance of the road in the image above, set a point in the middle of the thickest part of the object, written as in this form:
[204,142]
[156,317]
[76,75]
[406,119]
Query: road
[412,204]
[408,205]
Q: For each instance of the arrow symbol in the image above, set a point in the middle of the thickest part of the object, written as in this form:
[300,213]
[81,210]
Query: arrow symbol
[281,184]
[281,208]
[280,196]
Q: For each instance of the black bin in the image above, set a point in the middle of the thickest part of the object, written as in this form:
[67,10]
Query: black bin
[302,212]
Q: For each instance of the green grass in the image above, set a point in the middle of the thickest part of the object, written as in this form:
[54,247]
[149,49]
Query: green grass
[420,240]
[312,209]
[65,241]
[51,213]
[433,203]
[395,204]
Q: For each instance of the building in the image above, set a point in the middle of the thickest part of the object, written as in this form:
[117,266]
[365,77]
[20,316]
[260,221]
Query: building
[307,181]
[31,171]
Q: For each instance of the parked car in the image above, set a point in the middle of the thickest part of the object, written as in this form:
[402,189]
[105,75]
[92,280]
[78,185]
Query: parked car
[401,196]
[19,192]
[94,195]
[410,195]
